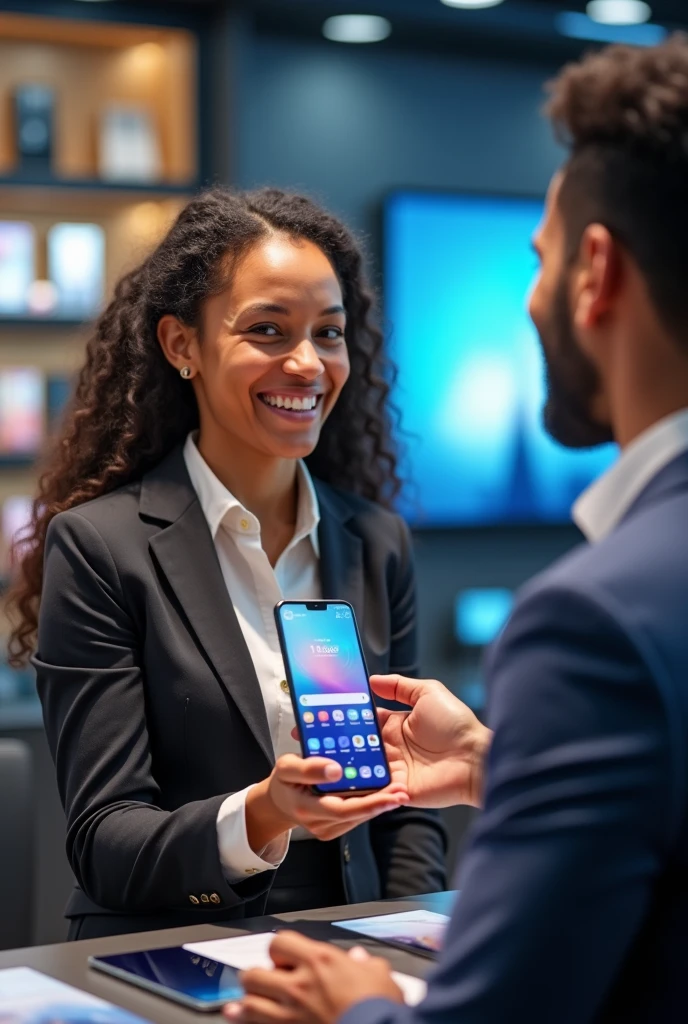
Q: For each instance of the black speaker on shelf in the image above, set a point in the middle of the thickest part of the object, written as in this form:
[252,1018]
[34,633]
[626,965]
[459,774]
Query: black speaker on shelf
[34,106]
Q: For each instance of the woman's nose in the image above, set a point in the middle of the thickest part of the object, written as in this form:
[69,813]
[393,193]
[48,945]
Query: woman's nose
[304,361]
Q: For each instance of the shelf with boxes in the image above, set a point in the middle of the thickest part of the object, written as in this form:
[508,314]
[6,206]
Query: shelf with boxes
[97,103]
[99,150]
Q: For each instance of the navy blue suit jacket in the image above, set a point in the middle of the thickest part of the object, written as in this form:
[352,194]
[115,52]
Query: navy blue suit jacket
[574,904]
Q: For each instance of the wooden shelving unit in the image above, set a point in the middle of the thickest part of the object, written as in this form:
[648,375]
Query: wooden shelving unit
[89,65]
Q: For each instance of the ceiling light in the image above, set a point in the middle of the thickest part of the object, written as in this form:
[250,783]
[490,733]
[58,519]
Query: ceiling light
[580,26]
[356,28]
[473,5]
[619,12]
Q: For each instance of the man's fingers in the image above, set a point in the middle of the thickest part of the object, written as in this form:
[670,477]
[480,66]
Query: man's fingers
[384,715]
[289,949]
[307,771]
[399,688]
[262,1010]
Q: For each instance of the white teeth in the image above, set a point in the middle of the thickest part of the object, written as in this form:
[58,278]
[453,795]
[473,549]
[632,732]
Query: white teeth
[297,404]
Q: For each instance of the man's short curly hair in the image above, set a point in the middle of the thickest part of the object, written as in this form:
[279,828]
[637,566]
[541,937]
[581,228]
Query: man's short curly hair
[622,112]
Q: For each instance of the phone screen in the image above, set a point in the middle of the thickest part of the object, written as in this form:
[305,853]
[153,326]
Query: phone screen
[177,973]
[333,705]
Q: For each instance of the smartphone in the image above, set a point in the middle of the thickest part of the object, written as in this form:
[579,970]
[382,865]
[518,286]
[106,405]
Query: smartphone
[177,974]
[333,703]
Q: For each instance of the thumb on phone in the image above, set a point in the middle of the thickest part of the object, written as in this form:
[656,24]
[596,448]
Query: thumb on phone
[399,688]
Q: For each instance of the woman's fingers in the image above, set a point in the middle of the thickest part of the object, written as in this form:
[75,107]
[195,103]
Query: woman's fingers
[360,806]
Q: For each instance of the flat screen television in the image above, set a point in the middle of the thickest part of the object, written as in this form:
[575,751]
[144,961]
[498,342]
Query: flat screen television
[471,385]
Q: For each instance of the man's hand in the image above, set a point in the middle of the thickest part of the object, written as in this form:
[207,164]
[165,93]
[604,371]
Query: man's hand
[285,800]
[436,750]
[312,983]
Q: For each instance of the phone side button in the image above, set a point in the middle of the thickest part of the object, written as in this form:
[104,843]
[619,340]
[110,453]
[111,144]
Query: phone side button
[347,853]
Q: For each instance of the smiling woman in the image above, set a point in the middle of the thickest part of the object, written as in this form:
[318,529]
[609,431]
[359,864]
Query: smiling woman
[228,446]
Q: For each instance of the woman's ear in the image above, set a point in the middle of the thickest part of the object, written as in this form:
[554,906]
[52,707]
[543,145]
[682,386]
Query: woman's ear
[178,342]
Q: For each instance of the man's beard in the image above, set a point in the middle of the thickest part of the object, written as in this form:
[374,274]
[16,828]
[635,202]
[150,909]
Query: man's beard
[572,382]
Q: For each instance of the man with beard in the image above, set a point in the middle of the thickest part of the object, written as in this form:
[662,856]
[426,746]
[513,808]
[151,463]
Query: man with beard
[574,904]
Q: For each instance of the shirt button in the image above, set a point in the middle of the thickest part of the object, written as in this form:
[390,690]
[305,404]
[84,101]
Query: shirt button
[205,898]
[244,524]
[347,854]
[194,900]
[284,686]
[214,898]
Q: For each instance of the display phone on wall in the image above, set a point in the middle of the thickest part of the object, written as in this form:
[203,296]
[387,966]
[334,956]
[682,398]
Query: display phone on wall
[333,703]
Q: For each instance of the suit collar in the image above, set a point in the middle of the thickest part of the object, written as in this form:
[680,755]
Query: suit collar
[342,567]
[167,491]
[671,480]
[602,507]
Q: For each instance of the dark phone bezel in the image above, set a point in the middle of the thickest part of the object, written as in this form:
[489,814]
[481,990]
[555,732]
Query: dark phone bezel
[354,791]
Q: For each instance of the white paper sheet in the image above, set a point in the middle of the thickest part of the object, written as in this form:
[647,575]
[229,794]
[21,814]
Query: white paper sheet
[247,951]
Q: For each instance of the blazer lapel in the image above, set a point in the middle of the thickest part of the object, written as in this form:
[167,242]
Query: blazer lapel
[186,554]
[341,552]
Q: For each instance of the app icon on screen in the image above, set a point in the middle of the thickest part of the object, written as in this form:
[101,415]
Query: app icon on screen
[352,715]
[308,717]
[358,741]
[328,743]
[344,742]
[314,743]
[365,772]
[368,715]
[373,739]
[379,770]
[350,772]
[338,715]
[323,716]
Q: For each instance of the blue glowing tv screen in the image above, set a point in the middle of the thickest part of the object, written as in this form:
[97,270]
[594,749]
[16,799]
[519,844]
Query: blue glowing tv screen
[471,382]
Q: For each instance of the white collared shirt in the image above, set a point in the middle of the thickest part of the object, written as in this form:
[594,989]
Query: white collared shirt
[255,588]
[604,504]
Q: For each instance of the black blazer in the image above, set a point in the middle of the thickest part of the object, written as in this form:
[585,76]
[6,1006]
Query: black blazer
[154,714]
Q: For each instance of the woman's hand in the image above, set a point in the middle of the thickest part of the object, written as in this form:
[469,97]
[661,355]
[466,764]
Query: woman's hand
[438,748]
[312,983]
[284,800]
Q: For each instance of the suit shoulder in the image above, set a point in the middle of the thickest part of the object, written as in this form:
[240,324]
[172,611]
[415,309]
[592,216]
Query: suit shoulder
[108,513]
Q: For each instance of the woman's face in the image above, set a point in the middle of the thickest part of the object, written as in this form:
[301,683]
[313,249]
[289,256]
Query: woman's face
[272,359]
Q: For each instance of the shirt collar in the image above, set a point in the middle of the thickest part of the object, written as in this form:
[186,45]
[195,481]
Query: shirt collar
[221,508]
[603,505]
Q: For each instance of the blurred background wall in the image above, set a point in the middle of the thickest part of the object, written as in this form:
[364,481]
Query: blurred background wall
[251,94]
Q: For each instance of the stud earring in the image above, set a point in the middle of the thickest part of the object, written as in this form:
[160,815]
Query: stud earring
[185,372]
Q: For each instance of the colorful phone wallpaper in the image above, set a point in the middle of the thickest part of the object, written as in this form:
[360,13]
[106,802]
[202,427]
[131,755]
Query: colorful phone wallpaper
[334,706]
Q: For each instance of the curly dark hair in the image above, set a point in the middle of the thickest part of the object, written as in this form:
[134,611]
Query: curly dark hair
[130,406]
[623,114]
